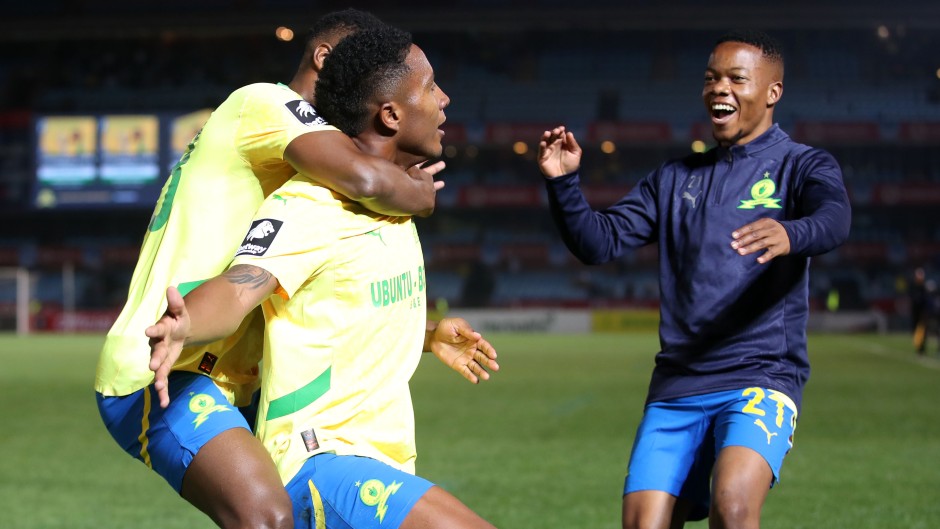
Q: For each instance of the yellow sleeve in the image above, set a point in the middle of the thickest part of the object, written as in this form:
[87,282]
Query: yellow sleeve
[294,231]
[271,117]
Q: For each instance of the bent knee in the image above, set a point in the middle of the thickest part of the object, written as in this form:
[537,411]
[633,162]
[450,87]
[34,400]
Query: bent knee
[260,515]
[648,509]
[270,509]
[735,515]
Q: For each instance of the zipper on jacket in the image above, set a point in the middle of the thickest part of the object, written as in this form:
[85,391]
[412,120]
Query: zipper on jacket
[720,184]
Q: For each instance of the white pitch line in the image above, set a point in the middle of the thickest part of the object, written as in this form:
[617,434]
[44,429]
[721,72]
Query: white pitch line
[880,350]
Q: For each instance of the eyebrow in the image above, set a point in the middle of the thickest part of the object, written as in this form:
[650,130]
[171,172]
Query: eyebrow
[732,69]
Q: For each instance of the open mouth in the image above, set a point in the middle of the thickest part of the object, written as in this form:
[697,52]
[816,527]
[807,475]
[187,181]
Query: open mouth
[722,112]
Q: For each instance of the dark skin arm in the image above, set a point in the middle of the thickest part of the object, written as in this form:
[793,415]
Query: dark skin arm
[210,312]
[332,160]
[214,309]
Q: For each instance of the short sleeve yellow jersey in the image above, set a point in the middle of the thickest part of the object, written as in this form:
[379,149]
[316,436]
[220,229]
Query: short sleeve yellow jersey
[344,331]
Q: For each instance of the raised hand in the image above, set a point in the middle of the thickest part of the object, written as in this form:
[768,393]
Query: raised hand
[559,153]
[421,172]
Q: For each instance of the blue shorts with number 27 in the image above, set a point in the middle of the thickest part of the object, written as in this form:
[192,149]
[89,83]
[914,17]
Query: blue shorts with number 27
[678,440]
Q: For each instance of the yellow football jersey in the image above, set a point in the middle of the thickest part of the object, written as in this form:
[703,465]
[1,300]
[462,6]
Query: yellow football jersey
[344,332]
[206,206]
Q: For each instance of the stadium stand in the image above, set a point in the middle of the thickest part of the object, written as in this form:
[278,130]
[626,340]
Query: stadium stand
[872,99]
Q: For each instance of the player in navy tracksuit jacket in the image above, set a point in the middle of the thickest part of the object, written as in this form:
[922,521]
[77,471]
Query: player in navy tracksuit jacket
[733,327]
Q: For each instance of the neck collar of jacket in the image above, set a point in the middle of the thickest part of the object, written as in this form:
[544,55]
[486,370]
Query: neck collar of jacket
[768,139]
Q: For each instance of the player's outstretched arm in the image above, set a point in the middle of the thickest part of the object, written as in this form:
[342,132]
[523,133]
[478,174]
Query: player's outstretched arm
[455,343]
[331,159]
[210,312]
[559,153]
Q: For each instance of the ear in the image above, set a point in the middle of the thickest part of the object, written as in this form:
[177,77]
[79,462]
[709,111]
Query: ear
[319,55]
[774,93]
[390,116]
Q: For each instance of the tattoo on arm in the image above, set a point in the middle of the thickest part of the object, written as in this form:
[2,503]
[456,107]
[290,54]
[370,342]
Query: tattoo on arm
[252,276]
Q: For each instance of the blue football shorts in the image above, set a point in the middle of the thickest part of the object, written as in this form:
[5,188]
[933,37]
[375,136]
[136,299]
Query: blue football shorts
[166,440]
[678,440]
[352,492]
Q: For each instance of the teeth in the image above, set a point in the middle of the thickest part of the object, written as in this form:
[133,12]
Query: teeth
[722,106]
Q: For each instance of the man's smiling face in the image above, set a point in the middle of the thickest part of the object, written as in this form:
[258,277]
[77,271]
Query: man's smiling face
[741,89]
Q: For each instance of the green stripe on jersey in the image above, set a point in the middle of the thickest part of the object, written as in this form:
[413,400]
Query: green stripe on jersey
[189,286]
[301,398]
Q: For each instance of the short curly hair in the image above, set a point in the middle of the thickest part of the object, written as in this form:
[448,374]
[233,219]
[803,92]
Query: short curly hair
[363,66]
[769,47]
[345,21]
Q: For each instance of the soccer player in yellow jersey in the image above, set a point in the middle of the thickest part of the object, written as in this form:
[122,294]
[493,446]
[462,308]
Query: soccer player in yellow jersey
[259,137]
[343,295]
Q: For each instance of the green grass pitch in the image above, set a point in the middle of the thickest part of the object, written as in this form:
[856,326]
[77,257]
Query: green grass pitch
[542,445]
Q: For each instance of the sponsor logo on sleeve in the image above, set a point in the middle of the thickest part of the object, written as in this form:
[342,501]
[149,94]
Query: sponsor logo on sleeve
[259,237]
[304,112]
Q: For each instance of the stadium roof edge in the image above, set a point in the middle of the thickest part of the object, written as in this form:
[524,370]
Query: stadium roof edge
[459,19]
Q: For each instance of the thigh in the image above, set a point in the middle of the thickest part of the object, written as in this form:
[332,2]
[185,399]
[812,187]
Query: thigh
[351,492]
[673,454]
[653,509]
[203,448]
[234,481]
[166,440]
[740,485]
[439,508]
[667,441]
[763,420]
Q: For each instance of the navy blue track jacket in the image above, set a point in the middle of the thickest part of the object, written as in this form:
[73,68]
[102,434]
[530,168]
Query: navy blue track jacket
[726,321]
